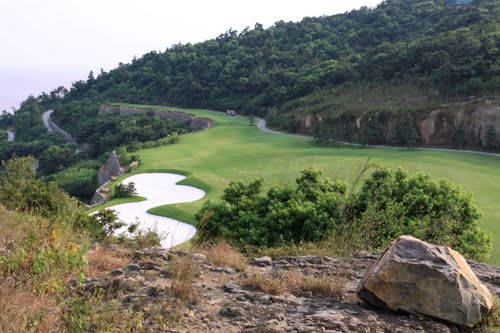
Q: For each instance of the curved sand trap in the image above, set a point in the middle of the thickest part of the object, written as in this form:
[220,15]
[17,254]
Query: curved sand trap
[159,189]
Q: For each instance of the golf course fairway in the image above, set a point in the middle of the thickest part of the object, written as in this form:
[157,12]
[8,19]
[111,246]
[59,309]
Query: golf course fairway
[234,149]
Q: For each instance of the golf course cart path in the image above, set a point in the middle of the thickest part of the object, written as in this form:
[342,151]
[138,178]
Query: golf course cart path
[159,189]
[46,118]
[11,136]
[52,127]
[261,124]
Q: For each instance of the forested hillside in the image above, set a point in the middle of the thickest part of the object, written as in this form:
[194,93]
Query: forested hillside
[454,50]
[404,56]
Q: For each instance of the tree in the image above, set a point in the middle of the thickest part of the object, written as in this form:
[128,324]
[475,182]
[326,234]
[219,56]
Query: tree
[102,224]
[56,158]
[491,140]
[393,203]
[458,138]
[125,191]
[21,191]
[405,133]
[78,181]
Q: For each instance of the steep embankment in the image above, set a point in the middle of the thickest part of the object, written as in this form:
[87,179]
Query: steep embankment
[261,124]
[472,124]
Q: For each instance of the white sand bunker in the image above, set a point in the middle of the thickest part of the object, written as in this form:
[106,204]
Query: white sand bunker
[159,189]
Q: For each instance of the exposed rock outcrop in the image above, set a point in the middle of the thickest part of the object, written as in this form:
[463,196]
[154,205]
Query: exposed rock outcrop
[196,122]
[226,305]
[107,173]
[112,168]
[435,127]
[438,127]
[425,279]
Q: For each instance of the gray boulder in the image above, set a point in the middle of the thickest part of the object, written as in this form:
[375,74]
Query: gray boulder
[424,279]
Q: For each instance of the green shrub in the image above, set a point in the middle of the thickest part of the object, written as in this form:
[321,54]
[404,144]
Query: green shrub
[123,155]
[388,204]
[392,203]
[101,225]
[125,191]
[21,191]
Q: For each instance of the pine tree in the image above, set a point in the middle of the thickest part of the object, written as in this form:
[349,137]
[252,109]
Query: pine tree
[458,138]
[491,140]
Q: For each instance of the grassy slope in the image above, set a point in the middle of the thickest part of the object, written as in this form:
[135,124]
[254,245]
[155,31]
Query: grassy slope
[235,150]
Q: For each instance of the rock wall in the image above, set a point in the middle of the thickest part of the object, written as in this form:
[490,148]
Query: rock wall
[99,197]
[107,172]
[439,125]
[197,122]
[111,169]
[435,127]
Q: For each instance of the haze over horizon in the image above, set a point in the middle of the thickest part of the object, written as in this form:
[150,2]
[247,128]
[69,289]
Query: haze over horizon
[56,42]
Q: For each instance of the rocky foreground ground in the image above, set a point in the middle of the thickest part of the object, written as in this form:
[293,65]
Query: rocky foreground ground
[225,302]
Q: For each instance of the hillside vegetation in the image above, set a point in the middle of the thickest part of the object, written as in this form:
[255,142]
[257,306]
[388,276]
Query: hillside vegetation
[443,52]
[404,57]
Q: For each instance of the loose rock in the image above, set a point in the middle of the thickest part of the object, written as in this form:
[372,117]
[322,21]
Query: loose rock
[425,279]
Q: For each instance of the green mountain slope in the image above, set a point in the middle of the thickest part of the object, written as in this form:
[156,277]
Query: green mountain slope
[426,43]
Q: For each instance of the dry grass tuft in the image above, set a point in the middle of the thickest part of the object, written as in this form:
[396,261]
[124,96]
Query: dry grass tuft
[224,255]
[345,244]
[295,282]
[272,285]
[324,285]
[21,310]
[184,271]
[103,260]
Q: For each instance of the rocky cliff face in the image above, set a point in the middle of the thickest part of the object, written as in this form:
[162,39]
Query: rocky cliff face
[438,127]
[434,127]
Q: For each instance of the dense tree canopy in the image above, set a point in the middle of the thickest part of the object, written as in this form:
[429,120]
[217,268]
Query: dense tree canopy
[419,40]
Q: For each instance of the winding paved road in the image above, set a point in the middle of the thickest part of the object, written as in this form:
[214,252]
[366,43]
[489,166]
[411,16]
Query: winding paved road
[54,128]
[10,136]
[261,124]
[46,118]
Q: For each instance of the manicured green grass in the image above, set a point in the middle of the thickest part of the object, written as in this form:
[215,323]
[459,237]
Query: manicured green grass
[117,201]
[234,150]
[173,212]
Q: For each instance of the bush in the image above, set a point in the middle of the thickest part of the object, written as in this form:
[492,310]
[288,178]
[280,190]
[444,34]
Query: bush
[393,203]
[168,140]
[78,181]
[101,225]
[123,155]
[389,204]
[21,191]
[284,215]
[125,191]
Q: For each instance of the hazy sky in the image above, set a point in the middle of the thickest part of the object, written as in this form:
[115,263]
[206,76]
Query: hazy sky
[47,43]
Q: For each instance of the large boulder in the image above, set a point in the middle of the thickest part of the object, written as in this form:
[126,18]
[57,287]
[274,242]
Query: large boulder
[425,279]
